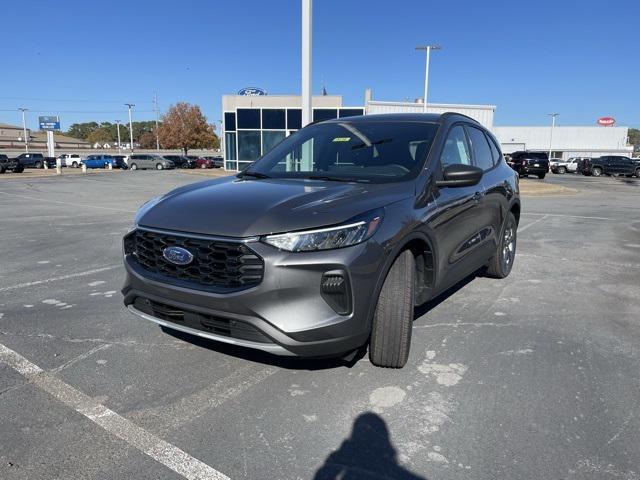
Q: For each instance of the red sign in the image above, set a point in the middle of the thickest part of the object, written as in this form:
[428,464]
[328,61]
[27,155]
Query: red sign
[606,121]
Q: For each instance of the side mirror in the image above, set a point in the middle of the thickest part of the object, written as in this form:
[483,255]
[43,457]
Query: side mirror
[460,175]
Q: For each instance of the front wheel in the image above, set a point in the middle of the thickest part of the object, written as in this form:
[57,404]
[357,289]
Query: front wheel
[501,263]
[596,172]
[159,166]
[37,165]
[541,175]
[133,166]
[562,170]
[393,317]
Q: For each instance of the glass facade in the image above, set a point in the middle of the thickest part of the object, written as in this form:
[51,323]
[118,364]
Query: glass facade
[252,132]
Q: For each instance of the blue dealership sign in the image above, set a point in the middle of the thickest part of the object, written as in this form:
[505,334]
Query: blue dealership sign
[49,123]
[252,91]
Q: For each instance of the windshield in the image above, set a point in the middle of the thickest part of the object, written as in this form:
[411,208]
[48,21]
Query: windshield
[343,151]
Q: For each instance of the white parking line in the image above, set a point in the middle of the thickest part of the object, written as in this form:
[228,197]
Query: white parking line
[63,277]
[522,229]
[569,216]
[73,204]
[163,452]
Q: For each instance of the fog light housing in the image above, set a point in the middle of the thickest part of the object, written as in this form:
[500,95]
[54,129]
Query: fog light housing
[336,291]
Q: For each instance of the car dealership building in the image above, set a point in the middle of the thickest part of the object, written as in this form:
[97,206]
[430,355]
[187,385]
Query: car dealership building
[253,123]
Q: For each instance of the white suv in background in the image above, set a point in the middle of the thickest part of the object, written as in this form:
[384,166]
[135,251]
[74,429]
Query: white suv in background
[70,160]
[564,166]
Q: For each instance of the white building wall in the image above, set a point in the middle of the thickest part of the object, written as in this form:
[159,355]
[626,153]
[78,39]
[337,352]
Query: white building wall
[482,113]
[572,141]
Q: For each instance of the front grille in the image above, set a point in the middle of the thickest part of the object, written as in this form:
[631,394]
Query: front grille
[216,264]
[202,321]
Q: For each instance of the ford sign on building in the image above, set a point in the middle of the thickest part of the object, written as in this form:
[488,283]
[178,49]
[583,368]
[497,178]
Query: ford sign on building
[252,91]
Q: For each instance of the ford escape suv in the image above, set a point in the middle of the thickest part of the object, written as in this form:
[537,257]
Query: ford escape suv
[329,241]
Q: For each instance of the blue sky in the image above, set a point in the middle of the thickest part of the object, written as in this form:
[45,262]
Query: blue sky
[578,58]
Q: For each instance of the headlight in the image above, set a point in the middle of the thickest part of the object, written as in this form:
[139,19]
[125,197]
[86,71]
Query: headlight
[351,233]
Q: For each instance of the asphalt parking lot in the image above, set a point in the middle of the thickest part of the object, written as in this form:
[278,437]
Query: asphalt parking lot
[535,376]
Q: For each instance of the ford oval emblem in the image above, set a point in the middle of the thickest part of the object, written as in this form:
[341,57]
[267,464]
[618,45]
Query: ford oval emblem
[252,91]
[178,255]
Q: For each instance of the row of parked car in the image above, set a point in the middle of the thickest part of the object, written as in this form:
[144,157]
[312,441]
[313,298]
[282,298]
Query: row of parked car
[538,164]
[135,161]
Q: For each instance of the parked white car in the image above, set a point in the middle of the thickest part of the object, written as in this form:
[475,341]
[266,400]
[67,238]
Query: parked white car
[70,160]
[559,165]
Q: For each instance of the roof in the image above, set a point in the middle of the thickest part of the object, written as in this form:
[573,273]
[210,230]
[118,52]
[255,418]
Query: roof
[6,125]
[60,137]
[400,117]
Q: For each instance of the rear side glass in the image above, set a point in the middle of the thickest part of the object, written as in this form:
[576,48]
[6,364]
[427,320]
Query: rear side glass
[481,151]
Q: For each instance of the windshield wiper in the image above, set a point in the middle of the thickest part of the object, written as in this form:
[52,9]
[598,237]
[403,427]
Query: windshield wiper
[336,179]
[248,173]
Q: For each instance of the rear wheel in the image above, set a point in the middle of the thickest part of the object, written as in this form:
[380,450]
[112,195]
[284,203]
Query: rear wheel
[501,263]
[134,166]
[596,172]
[37,165]
[2,170]
[393,317]
[74,164]
[541,175]
[562,170]
[159,166]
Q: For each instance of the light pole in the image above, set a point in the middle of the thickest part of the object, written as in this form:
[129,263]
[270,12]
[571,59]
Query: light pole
[24,130]
[118,127]
[307,21]
[155,102]
[427,49]
[553,125]
[130,124]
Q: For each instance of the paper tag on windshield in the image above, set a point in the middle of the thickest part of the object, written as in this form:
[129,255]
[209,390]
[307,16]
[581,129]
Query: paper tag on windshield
[342,139]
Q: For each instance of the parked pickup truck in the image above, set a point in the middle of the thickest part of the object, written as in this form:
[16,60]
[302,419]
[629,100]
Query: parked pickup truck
[563,166]
[70,160]
[35,160]
[612,165]
[10,165]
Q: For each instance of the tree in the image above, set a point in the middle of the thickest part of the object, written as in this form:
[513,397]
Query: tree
[148,140]
[634,137]
[82,130]
[184,126]
[100,135]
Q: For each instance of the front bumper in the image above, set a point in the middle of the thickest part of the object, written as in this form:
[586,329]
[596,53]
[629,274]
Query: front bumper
[286,308]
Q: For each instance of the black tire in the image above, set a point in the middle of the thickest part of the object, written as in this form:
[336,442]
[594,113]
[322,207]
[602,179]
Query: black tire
[2,170]
[133,166]
[637,174]
[542,175]
[74,164]
[562,170]
[37,165]
[159,166]
[18,169]
[501,263]
[393,317]
[596,171]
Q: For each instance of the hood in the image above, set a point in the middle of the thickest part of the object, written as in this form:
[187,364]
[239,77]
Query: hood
[243,208]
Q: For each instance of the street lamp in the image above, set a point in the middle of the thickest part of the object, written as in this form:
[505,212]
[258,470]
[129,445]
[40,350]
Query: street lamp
[427,49]
[24,130]
[307,25]
[553,124]
[119,146]
[130,124]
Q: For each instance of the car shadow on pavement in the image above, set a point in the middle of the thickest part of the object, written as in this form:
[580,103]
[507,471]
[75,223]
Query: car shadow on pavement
[367,454]
[291,363]
[420,310]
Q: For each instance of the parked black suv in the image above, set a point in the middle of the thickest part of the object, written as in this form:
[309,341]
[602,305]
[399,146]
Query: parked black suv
[329,240]
[10,165]
[612,165]
[181,161]
[530,163]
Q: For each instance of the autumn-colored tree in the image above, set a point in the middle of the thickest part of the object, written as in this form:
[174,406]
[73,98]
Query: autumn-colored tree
[100,135]
[184,126]
[148,140]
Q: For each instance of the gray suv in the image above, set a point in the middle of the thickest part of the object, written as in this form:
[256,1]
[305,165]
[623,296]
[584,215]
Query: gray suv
[143,161]
[329,241]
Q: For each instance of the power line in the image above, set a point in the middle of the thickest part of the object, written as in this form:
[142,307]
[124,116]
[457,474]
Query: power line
[33,99]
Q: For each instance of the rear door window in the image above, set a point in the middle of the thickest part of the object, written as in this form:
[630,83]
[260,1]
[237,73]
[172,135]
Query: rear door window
[481,150]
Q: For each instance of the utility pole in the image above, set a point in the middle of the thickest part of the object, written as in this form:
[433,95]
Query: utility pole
[130,124]
[119,146]
[155,102]
[24,130]
[307,21]
[553,125]
[427,49]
